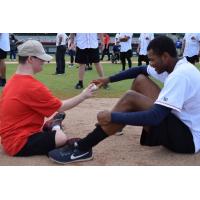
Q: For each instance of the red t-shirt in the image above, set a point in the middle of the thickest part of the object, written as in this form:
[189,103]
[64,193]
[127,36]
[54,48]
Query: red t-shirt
[24,104]
[106,39]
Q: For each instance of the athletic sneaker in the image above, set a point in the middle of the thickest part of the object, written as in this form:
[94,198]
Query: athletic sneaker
[78,86]
[56,120]
[69,154]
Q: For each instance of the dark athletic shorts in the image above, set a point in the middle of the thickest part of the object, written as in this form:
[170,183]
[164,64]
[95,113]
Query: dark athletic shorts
[3,54]
[38,144]
[85,56]
[171,133]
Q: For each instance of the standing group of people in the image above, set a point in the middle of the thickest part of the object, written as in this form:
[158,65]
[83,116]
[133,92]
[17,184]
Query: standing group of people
[87,51]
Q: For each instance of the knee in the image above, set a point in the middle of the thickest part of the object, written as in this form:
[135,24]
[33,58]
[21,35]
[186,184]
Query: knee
[128,97]
[139,82]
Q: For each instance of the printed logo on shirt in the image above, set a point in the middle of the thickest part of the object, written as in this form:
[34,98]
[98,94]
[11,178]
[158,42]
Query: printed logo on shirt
[165,99]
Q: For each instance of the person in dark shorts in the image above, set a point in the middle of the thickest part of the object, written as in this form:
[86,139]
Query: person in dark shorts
[143,43]
[126,49]
[87,51]
[26,102]
[4,48]
[170,116]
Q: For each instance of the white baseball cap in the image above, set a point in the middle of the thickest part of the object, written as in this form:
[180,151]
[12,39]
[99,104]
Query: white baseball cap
[33,48]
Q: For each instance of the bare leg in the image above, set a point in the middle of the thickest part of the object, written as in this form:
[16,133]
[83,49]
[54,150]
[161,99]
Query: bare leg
[60,138]
[99,69]
[141,97]
[81,72]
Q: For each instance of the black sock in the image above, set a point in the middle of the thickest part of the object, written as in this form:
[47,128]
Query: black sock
[92,139]
[80,83]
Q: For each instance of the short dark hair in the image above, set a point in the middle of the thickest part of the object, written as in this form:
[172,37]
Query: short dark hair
[163,44]
[22,59]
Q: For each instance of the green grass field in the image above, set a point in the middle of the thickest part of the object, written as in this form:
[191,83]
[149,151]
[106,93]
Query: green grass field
[63,85]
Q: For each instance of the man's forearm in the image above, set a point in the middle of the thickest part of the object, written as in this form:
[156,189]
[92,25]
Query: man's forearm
[129,74]
[151,117]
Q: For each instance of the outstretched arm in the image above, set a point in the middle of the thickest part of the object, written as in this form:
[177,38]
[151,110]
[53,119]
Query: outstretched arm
[150,117]
[128,74]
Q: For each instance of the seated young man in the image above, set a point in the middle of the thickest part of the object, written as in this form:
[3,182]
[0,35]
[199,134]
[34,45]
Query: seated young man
[24,104]
[170,116]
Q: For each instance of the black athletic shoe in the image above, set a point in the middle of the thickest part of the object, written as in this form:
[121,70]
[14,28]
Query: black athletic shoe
[69,154]
[78,86]
[56,120]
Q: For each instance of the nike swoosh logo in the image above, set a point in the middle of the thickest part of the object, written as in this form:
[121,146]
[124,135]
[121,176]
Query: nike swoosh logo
[75,157]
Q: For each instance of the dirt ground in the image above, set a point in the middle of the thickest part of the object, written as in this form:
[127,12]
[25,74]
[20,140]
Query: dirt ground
[122,150]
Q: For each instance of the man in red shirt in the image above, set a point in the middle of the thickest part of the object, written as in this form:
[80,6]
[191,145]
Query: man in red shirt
[25,103]
[106,41]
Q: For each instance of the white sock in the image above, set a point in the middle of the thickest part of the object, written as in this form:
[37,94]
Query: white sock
[56,127]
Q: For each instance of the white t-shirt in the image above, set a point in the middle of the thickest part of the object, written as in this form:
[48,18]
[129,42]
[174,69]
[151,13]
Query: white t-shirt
[144,41]
[117,38]
[181,92]
[87,40]
[4,41]
[63,37]
[125,46]
[192,44]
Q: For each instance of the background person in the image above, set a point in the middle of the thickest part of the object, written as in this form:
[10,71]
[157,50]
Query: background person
[191,47]
[61,41]
[4,48]
[125,49]
[13,46]
[87,51]
[106,43]
[144,41]
[71,51]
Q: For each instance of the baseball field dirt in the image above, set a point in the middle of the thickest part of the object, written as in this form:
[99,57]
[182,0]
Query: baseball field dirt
[124,150]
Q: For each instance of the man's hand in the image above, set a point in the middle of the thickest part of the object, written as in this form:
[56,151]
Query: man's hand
[104,117]
[101,81]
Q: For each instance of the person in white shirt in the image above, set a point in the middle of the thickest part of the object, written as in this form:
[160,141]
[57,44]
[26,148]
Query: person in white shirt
[170,116]
[61,42]
[87,51]
[144,41]
[117,42]
[191,47]
[4,48]
[125,49]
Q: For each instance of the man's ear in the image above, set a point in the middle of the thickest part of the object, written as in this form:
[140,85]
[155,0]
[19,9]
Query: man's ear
[166,56]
